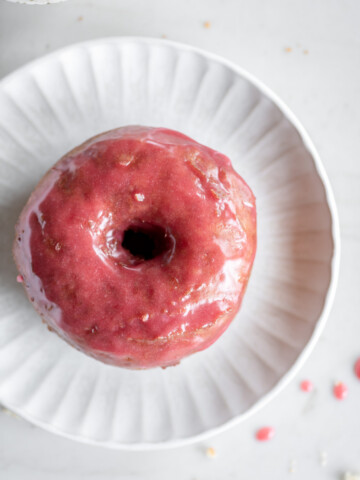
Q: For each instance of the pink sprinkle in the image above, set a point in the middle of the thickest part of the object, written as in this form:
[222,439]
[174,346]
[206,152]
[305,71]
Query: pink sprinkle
[20,279]
[264,434]
[340,391]
[306,386]
[357,368]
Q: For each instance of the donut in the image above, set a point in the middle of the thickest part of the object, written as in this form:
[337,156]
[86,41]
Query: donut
[137,246]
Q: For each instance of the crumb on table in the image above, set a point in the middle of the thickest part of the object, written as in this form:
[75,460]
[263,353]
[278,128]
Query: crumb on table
[211,452]
[265,434]
[340,391]
[207,24]
[8,412]
[357,368]
[306,386]
[292,468]
[351,476]
[323,458]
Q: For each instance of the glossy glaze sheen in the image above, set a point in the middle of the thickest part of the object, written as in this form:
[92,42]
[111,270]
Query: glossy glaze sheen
[99,297]
[292,282]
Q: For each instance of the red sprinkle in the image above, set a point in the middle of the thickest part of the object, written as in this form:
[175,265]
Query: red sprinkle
[306,386]
[357,368]
[20,279]
[340,391]
[264,434]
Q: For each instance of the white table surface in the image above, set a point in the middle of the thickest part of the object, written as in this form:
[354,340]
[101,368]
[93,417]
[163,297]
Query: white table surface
[308,52]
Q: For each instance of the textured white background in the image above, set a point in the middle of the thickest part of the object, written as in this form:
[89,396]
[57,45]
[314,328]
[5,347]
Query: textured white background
[320,80]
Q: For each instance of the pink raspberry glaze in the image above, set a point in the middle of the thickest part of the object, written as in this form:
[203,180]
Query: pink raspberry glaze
[73,251]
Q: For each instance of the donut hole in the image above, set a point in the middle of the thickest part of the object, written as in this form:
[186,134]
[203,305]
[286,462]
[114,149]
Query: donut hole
[146,241]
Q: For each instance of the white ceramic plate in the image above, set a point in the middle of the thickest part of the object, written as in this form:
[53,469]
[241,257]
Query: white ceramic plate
[54,104]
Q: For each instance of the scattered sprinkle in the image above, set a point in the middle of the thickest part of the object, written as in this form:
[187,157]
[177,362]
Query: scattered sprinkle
[357,368]
[292,468]
[305,52]
[265,433]
[92,330]
[145,317]
[288,49]
[125,159]
[211,452]
[323,458]
[139,197]
[207,24]
[58,247]
[351,476]
[340,391]
[306,386]
[80,19]
[20,279]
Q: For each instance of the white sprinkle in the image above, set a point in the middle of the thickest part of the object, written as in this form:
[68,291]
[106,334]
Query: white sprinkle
[145,317]
[211,452]
[139,197]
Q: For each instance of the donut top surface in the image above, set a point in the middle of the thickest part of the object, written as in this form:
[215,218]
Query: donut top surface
[141,234]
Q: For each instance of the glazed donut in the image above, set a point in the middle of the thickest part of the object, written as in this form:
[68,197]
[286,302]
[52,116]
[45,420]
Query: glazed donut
[137,246]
